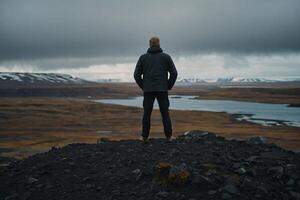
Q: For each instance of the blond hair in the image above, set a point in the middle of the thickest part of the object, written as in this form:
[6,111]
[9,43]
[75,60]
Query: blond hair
[154,42]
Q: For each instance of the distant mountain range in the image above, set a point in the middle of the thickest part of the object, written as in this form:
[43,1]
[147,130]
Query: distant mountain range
[108,80]
[56,79]
[236,80]
[190,80]
[21,79]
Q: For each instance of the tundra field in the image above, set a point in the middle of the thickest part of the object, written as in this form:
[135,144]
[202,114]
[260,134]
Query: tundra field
[34,119]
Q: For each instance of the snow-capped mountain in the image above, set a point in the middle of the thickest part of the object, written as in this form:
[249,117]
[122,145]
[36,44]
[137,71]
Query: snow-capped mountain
[244,80]
[236,80]
[108,80]
[16,78]
[190,80]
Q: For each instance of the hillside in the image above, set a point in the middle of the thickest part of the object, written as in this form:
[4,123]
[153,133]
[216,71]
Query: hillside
[16,79]
[15,84]
[198,165]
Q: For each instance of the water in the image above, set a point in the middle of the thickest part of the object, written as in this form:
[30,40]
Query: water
[262,113]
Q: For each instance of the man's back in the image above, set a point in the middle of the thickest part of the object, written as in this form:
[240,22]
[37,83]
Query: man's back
[154,66]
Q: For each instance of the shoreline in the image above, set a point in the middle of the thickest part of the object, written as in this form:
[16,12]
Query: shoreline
[246,116]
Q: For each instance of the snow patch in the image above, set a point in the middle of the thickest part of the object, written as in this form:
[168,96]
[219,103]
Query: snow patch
[40,77]
[10,76]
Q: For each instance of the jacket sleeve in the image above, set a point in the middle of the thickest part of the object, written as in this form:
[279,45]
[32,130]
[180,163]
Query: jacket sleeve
[138,73]
[173,74]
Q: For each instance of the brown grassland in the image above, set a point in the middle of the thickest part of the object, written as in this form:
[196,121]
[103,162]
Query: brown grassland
[34,124]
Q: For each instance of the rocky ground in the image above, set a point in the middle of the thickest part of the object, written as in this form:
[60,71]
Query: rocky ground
[198,165]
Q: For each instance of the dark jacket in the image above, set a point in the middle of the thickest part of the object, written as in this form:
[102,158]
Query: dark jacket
[151,71]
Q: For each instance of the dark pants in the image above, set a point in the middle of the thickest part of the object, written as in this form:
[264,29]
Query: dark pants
[163,102]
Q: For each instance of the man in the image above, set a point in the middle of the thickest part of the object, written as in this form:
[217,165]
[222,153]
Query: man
[151,75]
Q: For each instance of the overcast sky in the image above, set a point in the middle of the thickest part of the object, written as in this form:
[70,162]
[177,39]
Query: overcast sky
[104,38]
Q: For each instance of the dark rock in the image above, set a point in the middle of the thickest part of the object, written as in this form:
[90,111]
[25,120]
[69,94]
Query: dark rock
[290,182]
[291,167]
[241,170]
[88,186]
[99,188]
[32,180]
[226,196]
[212,192]
[202,167]
[257,140]
[274,154]
[138,177]
[218,179]
[276,171]
[236,165]
[251,158]
[26,195]
[4,164]
[116,192]
[86,178]
[174,152]
[48,186]
[231,158]
[136,171]
[202,180]
[248,184]
[251,172]
[162,195]
[262,190]
[231,189]
[221,160]
[99,153]
[295,195]
[196,134]
[284,196]
[12,197]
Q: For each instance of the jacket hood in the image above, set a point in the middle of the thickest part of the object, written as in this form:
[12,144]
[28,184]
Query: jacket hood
[154,50]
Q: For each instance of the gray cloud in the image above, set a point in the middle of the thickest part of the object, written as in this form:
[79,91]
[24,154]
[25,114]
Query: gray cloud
[59,29]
